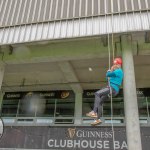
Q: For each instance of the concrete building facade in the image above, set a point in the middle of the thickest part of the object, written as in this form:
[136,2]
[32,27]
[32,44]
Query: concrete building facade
[57,50]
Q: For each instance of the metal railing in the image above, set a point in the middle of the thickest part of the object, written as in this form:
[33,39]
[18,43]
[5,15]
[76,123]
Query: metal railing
[67,121]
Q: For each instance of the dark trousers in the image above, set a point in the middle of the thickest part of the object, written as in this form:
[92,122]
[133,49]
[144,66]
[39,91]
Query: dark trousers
[101,96]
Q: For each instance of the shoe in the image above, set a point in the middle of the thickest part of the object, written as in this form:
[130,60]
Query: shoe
[96,122]
[92,114]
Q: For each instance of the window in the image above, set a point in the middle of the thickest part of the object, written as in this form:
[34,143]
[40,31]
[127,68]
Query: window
[10,104]
[148,103]
[143,98]
[39,104]
[142,104]
[9,108]
[117,105]
[88,103]
[50,108]
[65,108]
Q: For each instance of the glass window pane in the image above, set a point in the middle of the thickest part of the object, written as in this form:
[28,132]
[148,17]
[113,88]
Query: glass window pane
[31,105]
[148,103]
[142,105]
[87,106]
[117,106]
[49,109]
[38,104]
[65,108]
[9,108]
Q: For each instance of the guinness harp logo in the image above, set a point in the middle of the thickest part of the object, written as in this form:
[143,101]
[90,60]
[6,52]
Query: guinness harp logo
[64,94]
[71,132]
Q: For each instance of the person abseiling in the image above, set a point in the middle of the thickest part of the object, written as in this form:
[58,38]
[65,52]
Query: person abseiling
[114,77]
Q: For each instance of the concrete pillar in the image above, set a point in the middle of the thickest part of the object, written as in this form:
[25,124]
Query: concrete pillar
[78,108]
[1,99]
[1,80]
[130,97]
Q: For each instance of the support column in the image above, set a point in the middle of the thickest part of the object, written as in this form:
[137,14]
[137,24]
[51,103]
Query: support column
[78,108]
[1,99]
[130,97]
[1,80]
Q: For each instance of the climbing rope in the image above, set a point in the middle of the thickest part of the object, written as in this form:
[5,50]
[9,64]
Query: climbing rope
[111,96]
[109,55]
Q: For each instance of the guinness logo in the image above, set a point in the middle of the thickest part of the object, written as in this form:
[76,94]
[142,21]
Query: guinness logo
[71,132]
[65,94]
